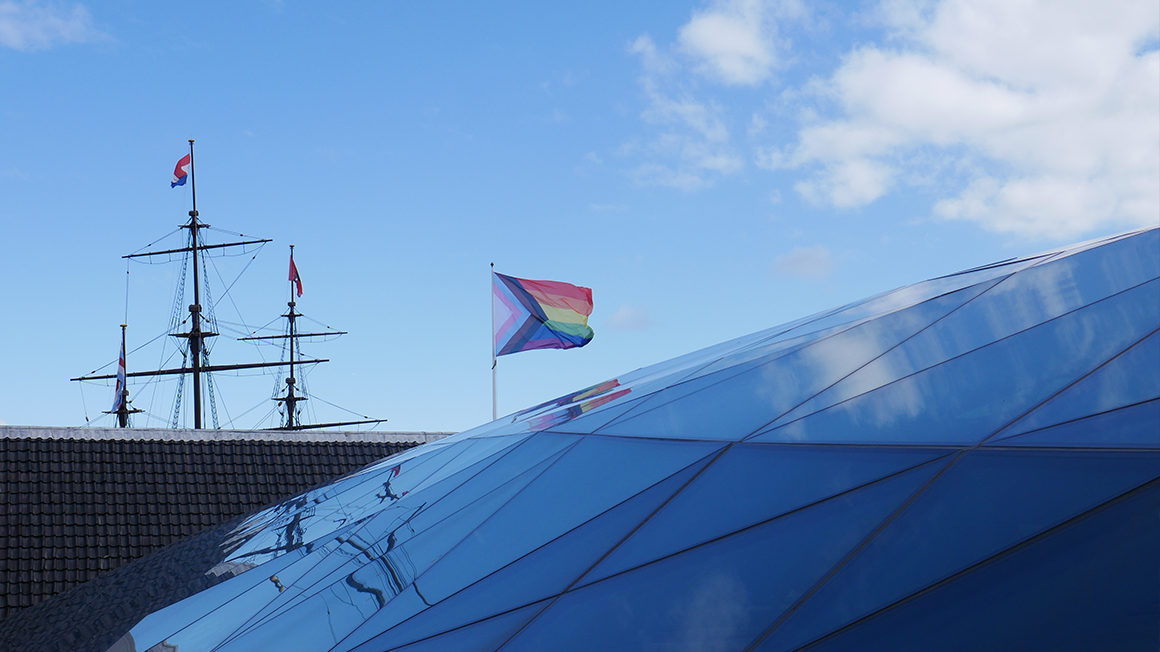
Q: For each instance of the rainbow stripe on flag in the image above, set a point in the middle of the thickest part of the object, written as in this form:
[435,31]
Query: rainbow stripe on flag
[533,315]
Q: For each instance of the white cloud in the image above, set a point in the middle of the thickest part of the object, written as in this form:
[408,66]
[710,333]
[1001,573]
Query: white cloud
[628,317]
[735,42]
[1050,109]
[654,62]
[32,25]
[810,263]
[692,137]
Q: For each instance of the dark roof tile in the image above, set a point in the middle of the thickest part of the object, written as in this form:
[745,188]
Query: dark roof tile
[78,508]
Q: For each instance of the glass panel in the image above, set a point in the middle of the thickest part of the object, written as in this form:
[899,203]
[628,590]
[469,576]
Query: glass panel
[541,574]
[390,560]
[754,483]
[1093,585]
[473,451]
[1135,426]
[484,636]
[723,594]
[590,478]
[968,398]
[334,605]
[231,603]
[1133,377]
[1015,304]
[394,521]
[911,295]
[985,503]
[319,512]
[731,405]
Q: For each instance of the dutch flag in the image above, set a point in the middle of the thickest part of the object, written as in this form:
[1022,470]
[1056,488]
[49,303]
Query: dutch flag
[181,172]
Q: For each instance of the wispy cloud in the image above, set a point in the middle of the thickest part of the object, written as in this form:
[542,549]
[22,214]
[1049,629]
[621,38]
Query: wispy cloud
[1047,110]
[692,144]
[1035,118]
[810,263]
[628,317]
[736,42]
[31,25]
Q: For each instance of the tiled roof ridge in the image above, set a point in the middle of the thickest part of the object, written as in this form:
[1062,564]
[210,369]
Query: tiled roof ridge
[163,434]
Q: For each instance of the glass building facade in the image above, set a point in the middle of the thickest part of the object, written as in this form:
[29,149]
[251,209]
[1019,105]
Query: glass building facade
[967,463]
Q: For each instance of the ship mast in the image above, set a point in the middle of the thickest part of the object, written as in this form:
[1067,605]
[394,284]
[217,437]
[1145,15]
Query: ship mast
[196,335]
[123,410]
[292,398]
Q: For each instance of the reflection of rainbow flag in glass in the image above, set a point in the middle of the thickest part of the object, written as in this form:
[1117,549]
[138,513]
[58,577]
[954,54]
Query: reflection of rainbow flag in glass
[577,404]
[539,315]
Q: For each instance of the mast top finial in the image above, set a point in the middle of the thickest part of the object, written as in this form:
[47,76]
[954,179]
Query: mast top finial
[191,140]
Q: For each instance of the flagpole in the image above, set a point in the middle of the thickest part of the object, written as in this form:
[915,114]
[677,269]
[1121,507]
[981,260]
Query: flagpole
[494,394]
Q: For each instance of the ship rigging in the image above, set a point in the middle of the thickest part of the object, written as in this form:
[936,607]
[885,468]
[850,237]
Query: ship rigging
[200,326]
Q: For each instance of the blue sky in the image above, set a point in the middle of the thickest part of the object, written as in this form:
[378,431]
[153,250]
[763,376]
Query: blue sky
[709,169]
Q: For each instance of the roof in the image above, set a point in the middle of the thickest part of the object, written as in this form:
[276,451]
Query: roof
[967,463]
[81,502]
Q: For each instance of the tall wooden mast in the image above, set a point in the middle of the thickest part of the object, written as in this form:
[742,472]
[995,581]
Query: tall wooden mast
[199,365]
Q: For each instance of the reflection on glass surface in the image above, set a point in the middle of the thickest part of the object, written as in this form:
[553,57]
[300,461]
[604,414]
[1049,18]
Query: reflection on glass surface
[730,405]
[1090,585]
[705,597]
[1132,377]
[642,513]
[1133,426]
[757,483]
[1013,305]
[542,573]
[969,398]
[982,505]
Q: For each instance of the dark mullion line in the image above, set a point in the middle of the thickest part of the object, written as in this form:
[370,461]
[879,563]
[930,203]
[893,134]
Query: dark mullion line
[871,361]
[248,626]
[781,354]
[626,537]
[553,598]
[857,549]
[1127,495]
[775,518]
[965,353]
[560,454]
[1067,387]
[692,374]
[1000,446]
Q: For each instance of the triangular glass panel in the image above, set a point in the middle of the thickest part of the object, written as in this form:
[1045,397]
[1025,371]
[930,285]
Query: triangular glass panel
[1135,426]
[379,569]
[590,478]
[985,503]
[1130,378]
[484,636]
[1014,305]
[230,603]
[1089,585]
[543,573]
[730,405]
[752,483]
[704,598]
[969,398]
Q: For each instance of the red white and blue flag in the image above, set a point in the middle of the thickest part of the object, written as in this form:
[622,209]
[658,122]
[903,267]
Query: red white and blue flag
[294,276]
[181,172]
[120,397]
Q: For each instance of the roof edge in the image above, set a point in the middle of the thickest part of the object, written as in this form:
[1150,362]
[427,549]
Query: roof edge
[163,434]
